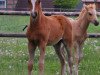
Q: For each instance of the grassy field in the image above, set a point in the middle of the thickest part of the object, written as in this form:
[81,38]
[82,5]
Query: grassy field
[14,53]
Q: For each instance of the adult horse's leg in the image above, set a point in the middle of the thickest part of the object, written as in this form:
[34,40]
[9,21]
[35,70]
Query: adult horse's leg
[61,57]
[31,48]
[42,47]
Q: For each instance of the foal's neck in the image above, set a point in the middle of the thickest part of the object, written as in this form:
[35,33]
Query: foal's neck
[83,22]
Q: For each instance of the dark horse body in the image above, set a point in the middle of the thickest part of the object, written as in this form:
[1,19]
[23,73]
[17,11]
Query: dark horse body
[47,30]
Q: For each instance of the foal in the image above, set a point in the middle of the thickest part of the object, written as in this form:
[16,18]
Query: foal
[47,30]
[79,29]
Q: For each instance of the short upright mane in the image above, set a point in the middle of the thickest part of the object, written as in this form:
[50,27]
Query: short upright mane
[81,13]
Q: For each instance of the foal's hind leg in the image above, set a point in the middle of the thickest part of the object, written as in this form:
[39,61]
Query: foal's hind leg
[31,48]
[68,47]
[61,57]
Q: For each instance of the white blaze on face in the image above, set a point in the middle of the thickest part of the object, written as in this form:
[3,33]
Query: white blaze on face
[33,5]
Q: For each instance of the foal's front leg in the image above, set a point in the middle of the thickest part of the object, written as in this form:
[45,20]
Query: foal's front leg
[80,52]
[76,58]
[31,48]
[42,47]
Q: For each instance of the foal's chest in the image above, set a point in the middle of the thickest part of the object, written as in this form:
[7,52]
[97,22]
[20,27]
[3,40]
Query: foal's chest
[38,33]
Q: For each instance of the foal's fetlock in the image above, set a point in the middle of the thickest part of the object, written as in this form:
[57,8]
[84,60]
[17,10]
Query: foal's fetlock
[72,60]
[80,58]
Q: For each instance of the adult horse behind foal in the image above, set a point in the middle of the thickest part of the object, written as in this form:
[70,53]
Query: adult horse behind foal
[47,30]
[79,30]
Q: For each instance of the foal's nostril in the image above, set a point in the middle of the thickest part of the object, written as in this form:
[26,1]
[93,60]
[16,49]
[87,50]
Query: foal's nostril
[96,23]
[34,15]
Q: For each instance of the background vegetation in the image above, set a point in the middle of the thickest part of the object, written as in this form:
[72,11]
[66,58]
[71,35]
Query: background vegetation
[66,3]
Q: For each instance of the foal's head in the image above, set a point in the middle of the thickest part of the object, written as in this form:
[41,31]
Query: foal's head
[91,13]
[34,6]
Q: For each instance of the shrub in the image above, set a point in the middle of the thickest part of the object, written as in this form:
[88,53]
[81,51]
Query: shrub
[66,3]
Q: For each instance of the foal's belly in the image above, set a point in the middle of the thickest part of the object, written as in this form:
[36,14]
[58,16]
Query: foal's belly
[55,35]
[53,42]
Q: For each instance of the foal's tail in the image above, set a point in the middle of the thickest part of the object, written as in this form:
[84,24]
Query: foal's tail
[25,27]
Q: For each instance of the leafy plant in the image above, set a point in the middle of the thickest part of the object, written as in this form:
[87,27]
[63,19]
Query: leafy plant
[66,3]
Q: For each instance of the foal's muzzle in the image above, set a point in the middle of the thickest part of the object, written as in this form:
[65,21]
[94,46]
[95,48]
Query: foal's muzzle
[96,23]
[34,15]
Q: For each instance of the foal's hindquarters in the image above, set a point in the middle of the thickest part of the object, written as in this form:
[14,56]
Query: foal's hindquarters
[67,41]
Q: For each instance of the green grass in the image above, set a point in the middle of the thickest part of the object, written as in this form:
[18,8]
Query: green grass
[91,62]
[13,23]
[14,53]
[94,29]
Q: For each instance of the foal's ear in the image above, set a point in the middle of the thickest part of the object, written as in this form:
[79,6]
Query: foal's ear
[29,1]
[38,1]
[29,4]
[85,6]
[94,5]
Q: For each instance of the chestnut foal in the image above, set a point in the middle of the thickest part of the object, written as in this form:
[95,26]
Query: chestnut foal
[47,30]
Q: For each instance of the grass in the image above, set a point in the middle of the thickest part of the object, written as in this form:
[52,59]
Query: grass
[14,53]
[13,24]
[90,65]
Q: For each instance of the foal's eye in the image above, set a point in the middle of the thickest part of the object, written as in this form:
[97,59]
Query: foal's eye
[90,14]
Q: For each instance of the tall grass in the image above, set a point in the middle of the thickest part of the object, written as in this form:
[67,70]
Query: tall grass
[14,53]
